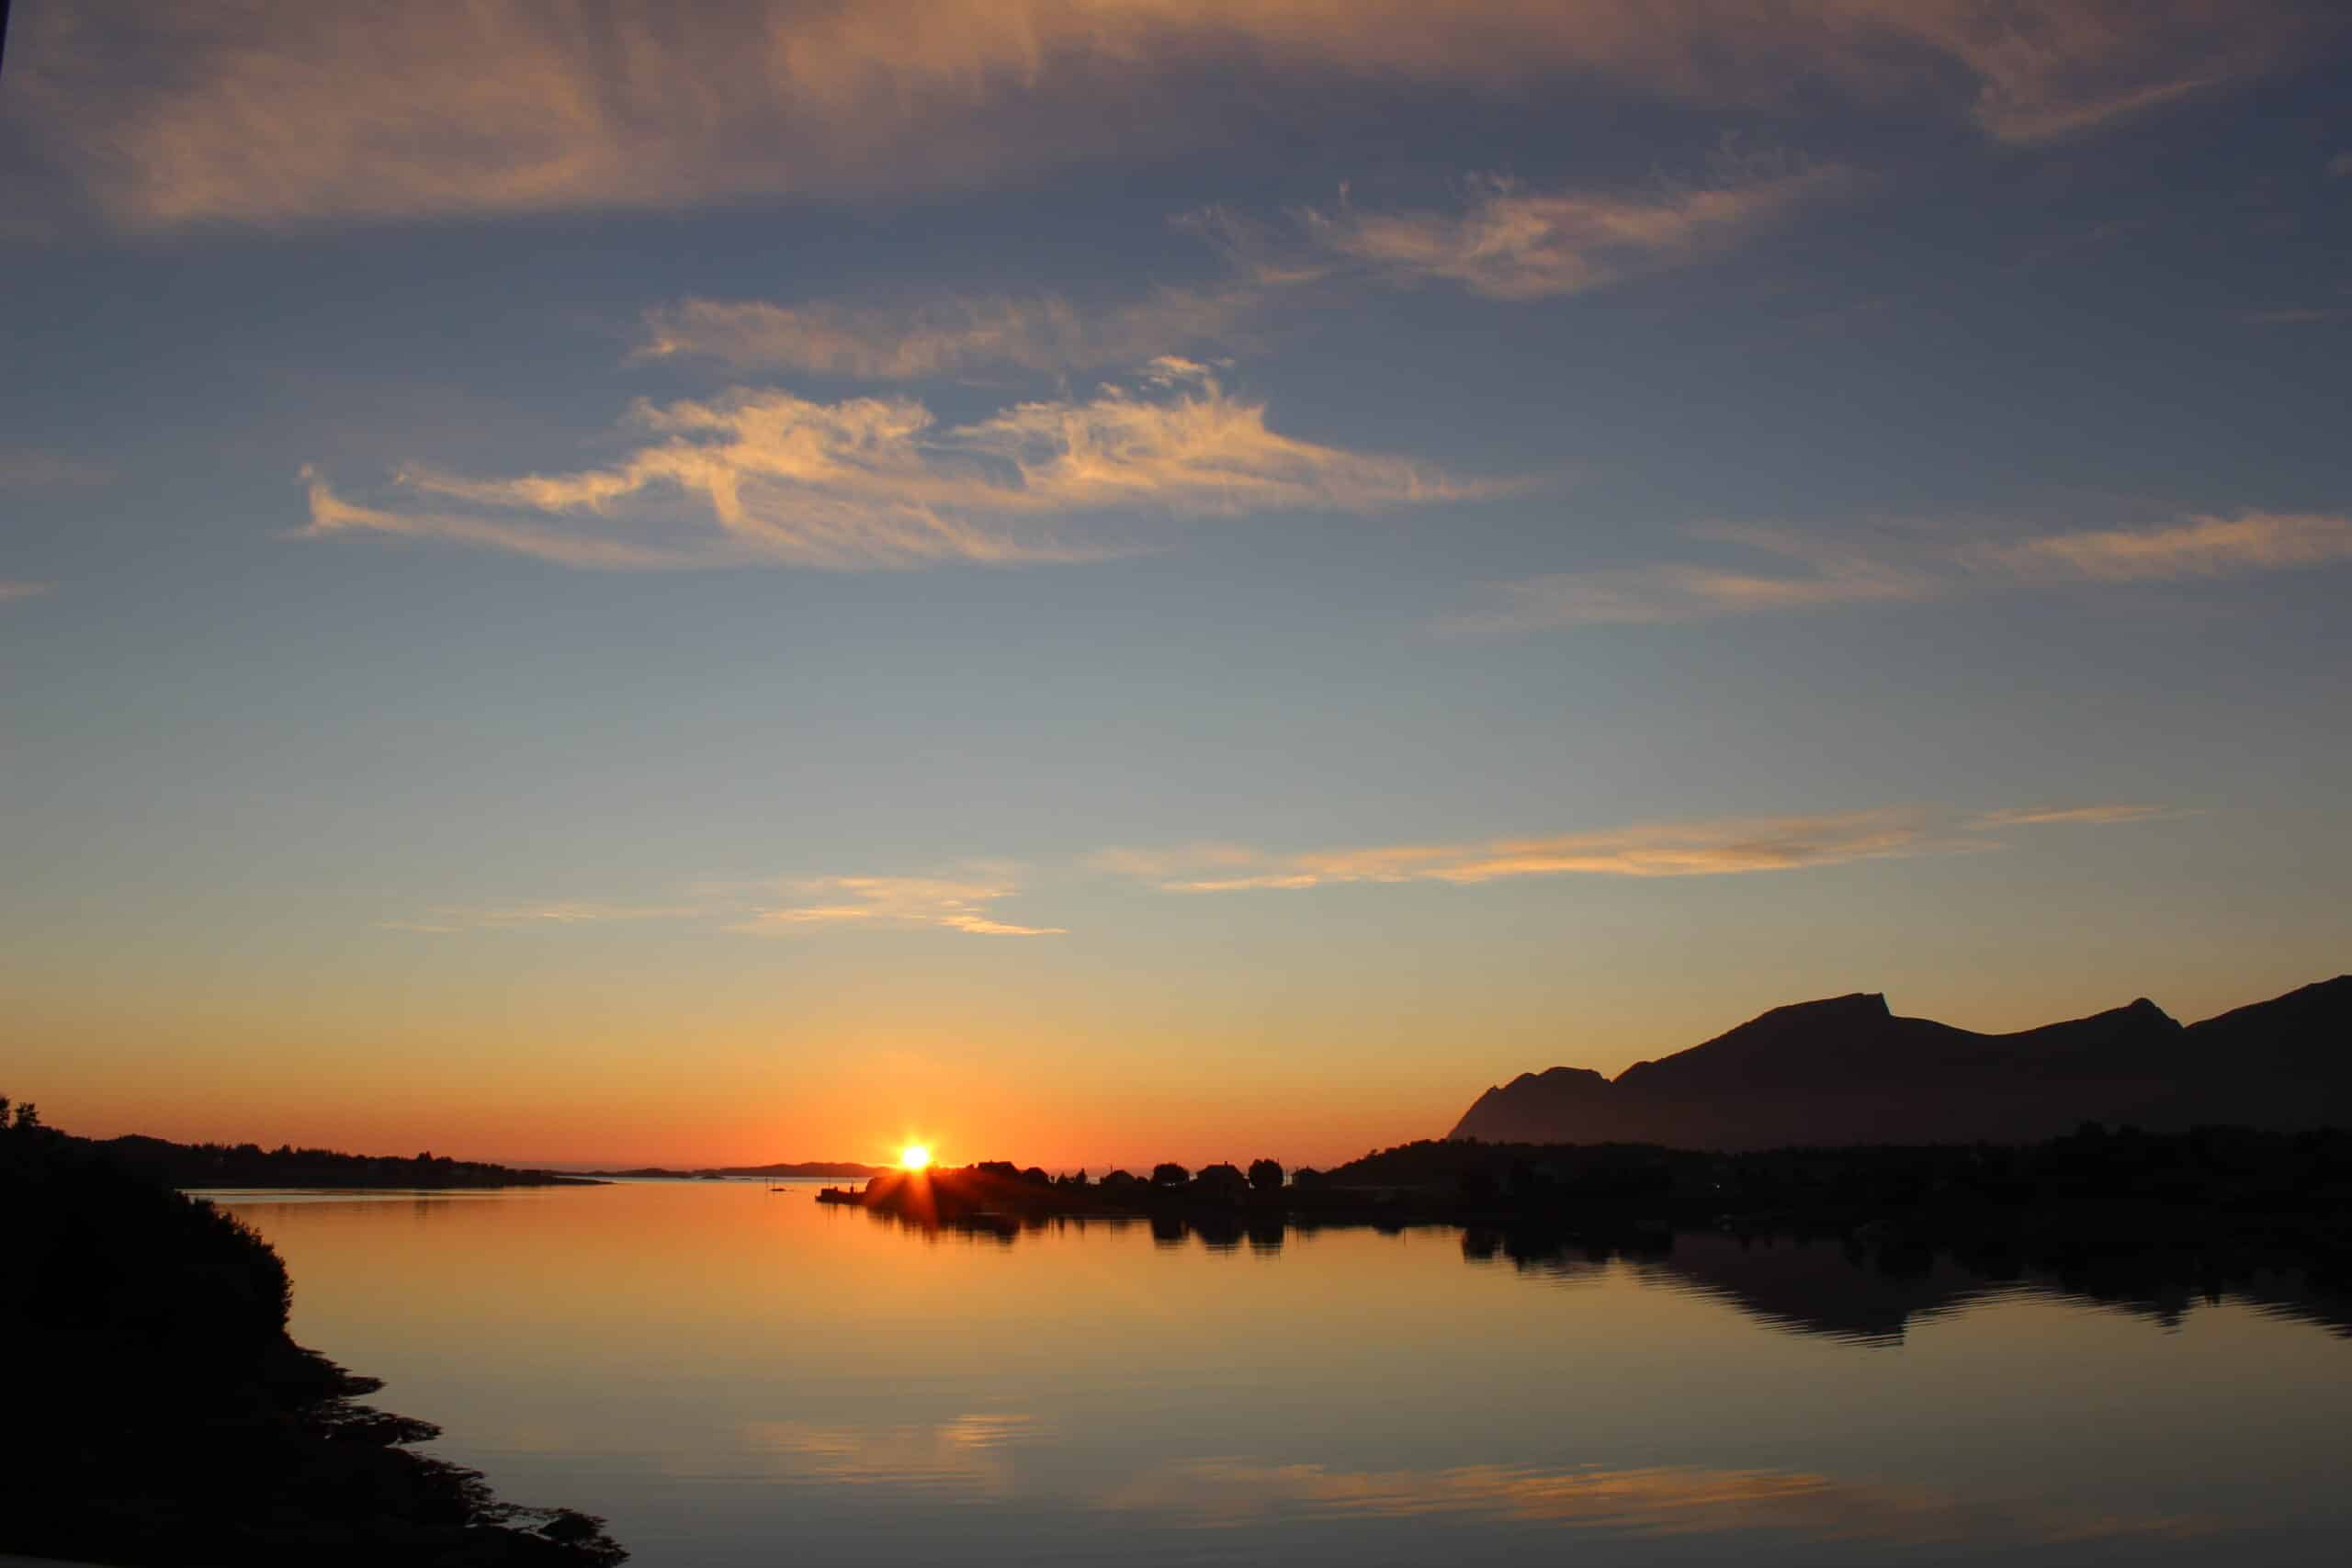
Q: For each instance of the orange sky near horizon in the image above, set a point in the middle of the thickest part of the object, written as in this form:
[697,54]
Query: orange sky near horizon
[738,1099]
[965,1114]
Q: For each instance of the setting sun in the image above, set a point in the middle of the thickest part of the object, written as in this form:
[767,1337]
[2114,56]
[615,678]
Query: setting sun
[915,1157]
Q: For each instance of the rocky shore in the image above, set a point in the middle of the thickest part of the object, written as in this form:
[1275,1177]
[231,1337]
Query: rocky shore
[157,1412]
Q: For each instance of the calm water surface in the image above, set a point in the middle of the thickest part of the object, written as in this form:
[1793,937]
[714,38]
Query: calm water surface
[735,1376]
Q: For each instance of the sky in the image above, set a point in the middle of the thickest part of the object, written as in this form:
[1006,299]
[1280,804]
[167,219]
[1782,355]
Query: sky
[1095,581]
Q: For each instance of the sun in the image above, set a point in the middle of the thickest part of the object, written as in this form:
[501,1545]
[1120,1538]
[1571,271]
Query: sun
[915,1157]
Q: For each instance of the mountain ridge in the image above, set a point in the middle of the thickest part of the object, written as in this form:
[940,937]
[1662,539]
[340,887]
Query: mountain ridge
[1849,1069]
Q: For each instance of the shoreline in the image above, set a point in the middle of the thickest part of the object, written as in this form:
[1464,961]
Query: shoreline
[180,1424]
[2198,1207]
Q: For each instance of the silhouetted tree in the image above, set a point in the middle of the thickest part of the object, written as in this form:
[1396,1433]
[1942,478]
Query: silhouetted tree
[1221,1181]
[1168,1173]
[1114,1179]
[1306,1179]
[1266,1175]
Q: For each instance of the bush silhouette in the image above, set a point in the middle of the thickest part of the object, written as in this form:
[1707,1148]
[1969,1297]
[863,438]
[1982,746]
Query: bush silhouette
[1221,1181]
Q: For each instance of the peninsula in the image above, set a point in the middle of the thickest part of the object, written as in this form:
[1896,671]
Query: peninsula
[170,1419]
[819,1169]
[249,1164]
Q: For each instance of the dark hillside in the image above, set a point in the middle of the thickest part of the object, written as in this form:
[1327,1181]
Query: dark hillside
[1848,1070]
[157,1412]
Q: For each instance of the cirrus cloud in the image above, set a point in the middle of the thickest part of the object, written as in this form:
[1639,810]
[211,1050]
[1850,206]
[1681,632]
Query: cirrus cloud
[1511,242]
[277,111]
[960,898]
[1724,847]
[764,476]
[1505,240]
[2196,547]
[554,913]
[903,902]
[2043,815]
[948,335]
[1822,571]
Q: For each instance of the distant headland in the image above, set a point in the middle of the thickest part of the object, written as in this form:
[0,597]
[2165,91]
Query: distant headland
[824,1169]
[1848,1070]
[250,1165]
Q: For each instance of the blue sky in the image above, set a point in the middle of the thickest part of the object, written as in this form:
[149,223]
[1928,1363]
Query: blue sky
[1093,578]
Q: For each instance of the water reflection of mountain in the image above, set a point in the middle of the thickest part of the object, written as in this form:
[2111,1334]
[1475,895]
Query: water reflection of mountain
[1833,1288]
[1843,1292]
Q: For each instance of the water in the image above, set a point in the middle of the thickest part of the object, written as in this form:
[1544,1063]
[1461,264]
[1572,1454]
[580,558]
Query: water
[734,1376]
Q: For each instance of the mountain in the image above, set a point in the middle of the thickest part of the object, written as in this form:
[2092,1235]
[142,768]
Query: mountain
[1848,1070]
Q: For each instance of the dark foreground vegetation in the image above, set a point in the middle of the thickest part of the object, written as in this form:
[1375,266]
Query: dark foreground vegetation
[2134,1210]
[250,1165]
[155,1411]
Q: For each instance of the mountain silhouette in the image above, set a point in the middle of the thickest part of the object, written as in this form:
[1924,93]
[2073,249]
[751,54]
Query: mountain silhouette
[1849,1070]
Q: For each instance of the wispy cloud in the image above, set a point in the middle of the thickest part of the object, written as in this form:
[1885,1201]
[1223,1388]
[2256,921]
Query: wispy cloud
[451,918]
[903,902]
[285,110]
[765,476]
[2045,72]
[1726,847]
[910,341]
[2197,546]
[1825,571]
[1511,242]
[18,589]
[2042,815]
[1504,240]
[961,899]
